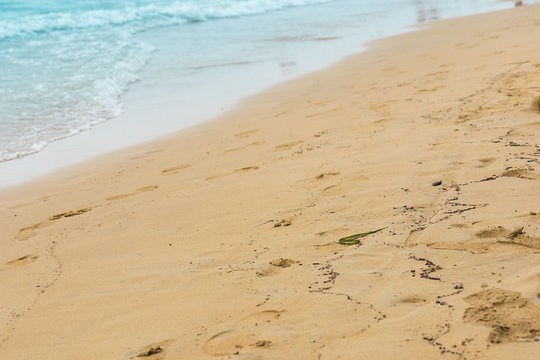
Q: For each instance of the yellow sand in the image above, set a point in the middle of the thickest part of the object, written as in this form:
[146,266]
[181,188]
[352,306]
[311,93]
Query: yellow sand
[221,241]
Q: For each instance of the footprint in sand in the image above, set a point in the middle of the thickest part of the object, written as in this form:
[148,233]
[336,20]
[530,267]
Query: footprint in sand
[247,168]
[486,239]
[30,231]
[535,104]
[155,351]
[322,177]
[380,107]
[413,300]
[283,223]
[276,266]
[486,161]
[437,73]
[510,316]
[24,260]
[326,175]
[138,191]
[250,334]
[255,143]
[174,170]
[215,176]
[344,187]
[511,237]
[241,170]
[287,146]
[320,133]
[333,246]
[246,134]
[520,174]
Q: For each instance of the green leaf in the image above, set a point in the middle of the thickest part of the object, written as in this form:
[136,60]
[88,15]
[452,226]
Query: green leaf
[354,239]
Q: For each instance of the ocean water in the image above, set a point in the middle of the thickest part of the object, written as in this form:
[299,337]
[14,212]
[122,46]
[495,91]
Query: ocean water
[100,74]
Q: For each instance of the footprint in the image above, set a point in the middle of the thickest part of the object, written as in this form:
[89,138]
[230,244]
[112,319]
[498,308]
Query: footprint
[27,259]
[233,342]
[215,177]
[174,170]
[442,146]
[233,149]
[247,168]
[246,134]
[333,234]
[69,214]
[276,266]
[516,237]
[486,161]
[486,239]
[138,191]
[241,170]
[287,146]
[326,175]
[283,223]
[283,263]
[155,351]
[30,231]
[413,300]
[260,318]
[246,336]
[509,315]
[535,104]
[380,107]
[519,173]
[437,73]
[345,186]
[413,238]
[383,121]
[320,133]
[491,232]
[322,103]
[332,247]
[430,89]
[269,271]
[255,143]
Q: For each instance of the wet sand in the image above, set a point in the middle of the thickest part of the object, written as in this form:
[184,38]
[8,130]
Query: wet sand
[222,241]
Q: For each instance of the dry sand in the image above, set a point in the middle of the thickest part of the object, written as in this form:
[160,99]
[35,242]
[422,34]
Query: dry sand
[221,241]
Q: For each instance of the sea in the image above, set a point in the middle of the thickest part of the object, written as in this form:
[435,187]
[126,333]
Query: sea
[79,78]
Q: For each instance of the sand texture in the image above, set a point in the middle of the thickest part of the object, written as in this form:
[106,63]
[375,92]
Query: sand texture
[222,241]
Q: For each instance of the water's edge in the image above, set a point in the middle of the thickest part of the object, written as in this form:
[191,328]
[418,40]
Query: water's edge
[143,105]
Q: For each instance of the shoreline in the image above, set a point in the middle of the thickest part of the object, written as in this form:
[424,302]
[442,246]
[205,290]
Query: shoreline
[222,240]
[178,108]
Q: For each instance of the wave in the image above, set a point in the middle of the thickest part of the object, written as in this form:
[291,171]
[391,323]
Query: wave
[144,15]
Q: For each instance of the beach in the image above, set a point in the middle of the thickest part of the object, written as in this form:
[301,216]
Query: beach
[222,240]
[84,79]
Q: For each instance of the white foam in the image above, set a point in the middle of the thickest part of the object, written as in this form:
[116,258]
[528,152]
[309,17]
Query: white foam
[158,13]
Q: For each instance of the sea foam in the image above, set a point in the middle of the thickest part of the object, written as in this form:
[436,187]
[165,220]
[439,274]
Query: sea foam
[143,14]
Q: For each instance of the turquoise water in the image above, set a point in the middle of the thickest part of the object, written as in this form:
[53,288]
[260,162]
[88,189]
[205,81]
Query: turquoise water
[155,66]
[66,63]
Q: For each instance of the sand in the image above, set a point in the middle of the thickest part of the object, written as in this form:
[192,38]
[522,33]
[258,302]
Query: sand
[221,241]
